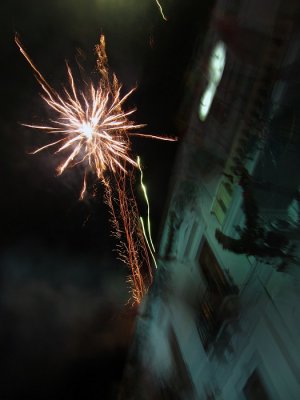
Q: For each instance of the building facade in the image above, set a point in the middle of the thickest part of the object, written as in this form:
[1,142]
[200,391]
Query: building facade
[222,319]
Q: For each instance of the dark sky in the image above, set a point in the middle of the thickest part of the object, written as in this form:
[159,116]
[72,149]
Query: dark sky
[64,324]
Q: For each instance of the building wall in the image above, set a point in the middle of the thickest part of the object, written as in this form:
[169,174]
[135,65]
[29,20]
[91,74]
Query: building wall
[243,345]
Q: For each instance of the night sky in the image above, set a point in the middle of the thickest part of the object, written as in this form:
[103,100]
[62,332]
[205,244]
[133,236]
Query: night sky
[64,328]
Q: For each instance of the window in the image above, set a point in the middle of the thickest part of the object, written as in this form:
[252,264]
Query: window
[222,202]
[212,271]
[215,72]
[214,309]
[222,205]
[254,388]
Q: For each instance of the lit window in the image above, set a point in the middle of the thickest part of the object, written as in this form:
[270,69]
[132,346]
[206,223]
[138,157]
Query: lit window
[206,101]
[215,72]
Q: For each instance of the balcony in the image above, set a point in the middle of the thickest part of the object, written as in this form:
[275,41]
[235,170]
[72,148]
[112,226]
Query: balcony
[216,311]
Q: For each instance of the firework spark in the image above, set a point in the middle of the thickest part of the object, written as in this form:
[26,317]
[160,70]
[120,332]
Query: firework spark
[92,123]
[94,130]
[132,247]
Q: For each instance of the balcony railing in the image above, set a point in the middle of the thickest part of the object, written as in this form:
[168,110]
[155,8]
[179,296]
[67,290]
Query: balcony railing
[216,309]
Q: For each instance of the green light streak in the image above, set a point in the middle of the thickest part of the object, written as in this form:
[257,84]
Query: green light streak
[145,236]
[147,202]
[161,10]
[148,235]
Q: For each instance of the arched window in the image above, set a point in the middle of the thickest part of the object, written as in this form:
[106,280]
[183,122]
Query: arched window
[215,72]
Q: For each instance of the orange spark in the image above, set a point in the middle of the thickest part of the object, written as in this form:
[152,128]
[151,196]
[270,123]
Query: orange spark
[132,247]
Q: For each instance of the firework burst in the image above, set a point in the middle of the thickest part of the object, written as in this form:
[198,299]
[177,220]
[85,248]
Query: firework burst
[94,131]
[93,125]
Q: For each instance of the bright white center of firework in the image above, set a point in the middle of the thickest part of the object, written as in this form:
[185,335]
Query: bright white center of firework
[87,130]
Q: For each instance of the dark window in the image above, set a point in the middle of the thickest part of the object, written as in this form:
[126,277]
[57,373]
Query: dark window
[222,205]
[214,309]
[228,188]
[254,388]
[212,271]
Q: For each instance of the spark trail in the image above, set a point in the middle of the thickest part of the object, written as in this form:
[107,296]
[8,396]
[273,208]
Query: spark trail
[161,10]
[94,131]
